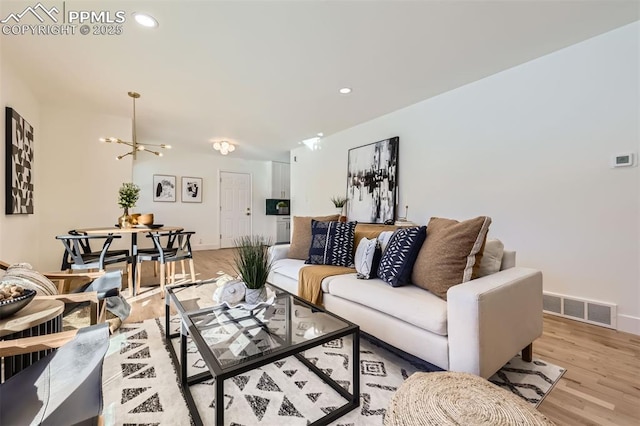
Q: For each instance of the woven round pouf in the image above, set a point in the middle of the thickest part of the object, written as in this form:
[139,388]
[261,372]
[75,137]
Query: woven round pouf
[450,398]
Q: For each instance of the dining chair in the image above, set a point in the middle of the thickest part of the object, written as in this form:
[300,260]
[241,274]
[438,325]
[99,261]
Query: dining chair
[86,250]
[75,246]
[64,387]
[79,259]
[177,247]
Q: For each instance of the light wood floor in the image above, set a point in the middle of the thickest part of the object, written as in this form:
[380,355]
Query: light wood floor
[601,385]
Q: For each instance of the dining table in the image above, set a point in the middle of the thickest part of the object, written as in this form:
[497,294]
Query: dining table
[133,231]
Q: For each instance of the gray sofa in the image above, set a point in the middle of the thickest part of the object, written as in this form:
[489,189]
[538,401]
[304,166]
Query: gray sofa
[482,324]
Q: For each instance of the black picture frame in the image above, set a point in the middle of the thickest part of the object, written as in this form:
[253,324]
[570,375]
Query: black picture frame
[372,181]
[19,147]
[191,189]
[164,188]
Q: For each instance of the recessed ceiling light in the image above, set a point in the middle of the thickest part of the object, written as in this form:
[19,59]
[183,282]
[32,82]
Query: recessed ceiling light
[320,134]
[145,19]
[345,90]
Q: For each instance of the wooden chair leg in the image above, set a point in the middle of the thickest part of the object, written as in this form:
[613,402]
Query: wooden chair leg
[184,270]
[527,353]
[172,272]
[103,312]
[193,271]
[139,278]
[162,278]
[130,280]
[93,315]
[156,264]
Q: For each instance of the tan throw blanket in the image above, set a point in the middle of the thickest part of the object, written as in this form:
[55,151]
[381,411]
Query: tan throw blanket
[310,280]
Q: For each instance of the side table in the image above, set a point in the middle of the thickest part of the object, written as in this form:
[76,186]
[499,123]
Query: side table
[38,318]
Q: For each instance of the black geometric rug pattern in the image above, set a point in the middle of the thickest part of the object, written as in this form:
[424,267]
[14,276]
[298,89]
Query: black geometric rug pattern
[140,383]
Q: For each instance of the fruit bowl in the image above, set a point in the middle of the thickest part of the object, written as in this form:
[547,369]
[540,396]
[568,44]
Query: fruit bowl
[10,307]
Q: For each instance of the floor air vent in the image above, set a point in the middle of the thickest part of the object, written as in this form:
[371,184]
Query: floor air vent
[598,313]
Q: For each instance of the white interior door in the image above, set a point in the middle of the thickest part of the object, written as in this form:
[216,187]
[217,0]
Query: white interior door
[235,207]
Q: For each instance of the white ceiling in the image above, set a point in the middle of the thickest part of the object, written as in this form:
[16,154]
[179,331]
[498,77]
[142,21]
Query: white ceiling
[266,74]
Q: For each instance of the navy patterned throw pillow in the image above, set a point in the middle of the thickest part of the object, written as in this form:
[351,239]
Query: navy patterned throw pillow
[331,243]
[400,255]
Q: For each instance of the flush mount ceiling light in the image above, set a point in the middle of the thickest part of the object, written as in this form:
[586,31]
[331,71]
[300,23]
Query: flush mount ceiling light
[145,19]
[345,90]
[224,147]
[134,145]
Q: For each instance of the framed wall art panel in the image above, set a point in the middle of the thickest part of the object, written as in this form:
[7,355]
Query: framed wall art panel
[191,189]
[19,164]
[372,182]
[164,188]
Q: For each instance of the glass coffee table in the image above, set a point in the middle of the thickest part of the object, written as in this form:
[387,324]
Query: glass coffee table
[232,341]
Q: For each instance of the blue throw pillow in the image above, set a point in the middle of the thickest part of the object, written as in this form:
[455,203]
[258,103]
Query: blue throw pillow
[331,243]
[400,255]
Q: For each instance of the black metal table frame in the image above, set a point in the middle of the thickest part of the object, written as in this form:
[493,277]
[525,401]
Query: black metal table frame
[187,328]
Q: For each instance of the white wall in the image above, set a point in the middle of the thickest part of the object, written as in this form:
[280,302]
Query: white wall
[19,233]
[529,147]
[76,179]
[80,176]
[203,218]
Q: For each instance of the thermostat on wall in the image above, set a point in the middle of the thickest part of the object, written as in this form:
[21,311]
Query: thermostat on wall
[623,160]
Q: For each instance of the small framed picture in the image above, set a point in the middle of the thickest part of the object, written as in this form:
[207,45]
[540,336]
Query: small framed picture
[191,189]
[164,188]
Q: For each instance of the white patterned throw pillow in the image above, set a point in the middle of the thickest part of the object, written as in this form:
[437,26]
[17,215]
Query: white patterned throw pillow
[384,238]
[367,258]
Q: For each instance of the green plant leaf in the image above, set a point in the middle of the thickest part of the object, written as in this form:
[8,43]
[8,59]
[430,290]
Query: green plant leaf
[252,262]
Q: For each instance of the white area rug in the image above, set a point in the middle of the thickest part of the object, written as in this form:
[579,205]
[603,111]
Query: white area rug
[140,383]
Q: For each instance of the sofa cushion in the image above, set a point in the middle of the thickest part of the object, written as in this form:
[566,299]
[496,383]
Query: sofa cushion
[491,258]
[408,303]
[448,255]
[400,255]
[288,267]
[331,243]
[367,258]
[301,235]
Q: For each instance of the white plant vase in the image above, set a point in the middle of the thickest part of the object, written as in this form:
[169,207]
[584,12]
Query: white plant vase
[254,296]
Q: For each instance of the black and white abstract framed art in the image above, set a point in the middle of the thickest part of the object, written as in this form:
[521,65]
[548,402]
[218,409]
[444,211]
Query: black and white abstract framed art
[19,164]
[191,189]
[164,188]
[372,181]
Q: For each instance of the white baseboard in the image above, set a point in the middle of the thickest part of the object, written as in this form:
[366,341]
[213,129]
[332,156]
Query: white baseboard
[629,324]
[198,247]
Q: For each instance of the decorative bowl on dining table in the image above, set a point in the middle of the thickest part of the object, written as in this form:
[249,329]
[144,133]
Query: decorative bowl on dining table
[145,219]
[9,304]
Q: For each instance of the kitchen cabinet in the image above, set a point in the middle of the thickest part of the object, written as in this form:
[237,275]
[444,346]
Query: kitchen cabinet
[283,232]
[280,183]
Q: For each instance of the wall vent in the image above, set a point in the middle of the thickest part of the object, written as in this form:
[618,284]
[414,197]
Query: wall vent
[590,311]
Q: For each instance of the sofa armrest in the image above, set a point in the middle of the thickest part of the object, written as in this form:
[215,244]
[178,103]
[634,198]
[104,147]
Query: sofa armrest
[280,251]
[491,319]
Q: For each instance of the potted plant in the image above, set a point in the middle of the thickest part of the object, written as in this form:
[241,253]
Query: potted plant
[339,202]
[128,195]
[253,266]
[283,207]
